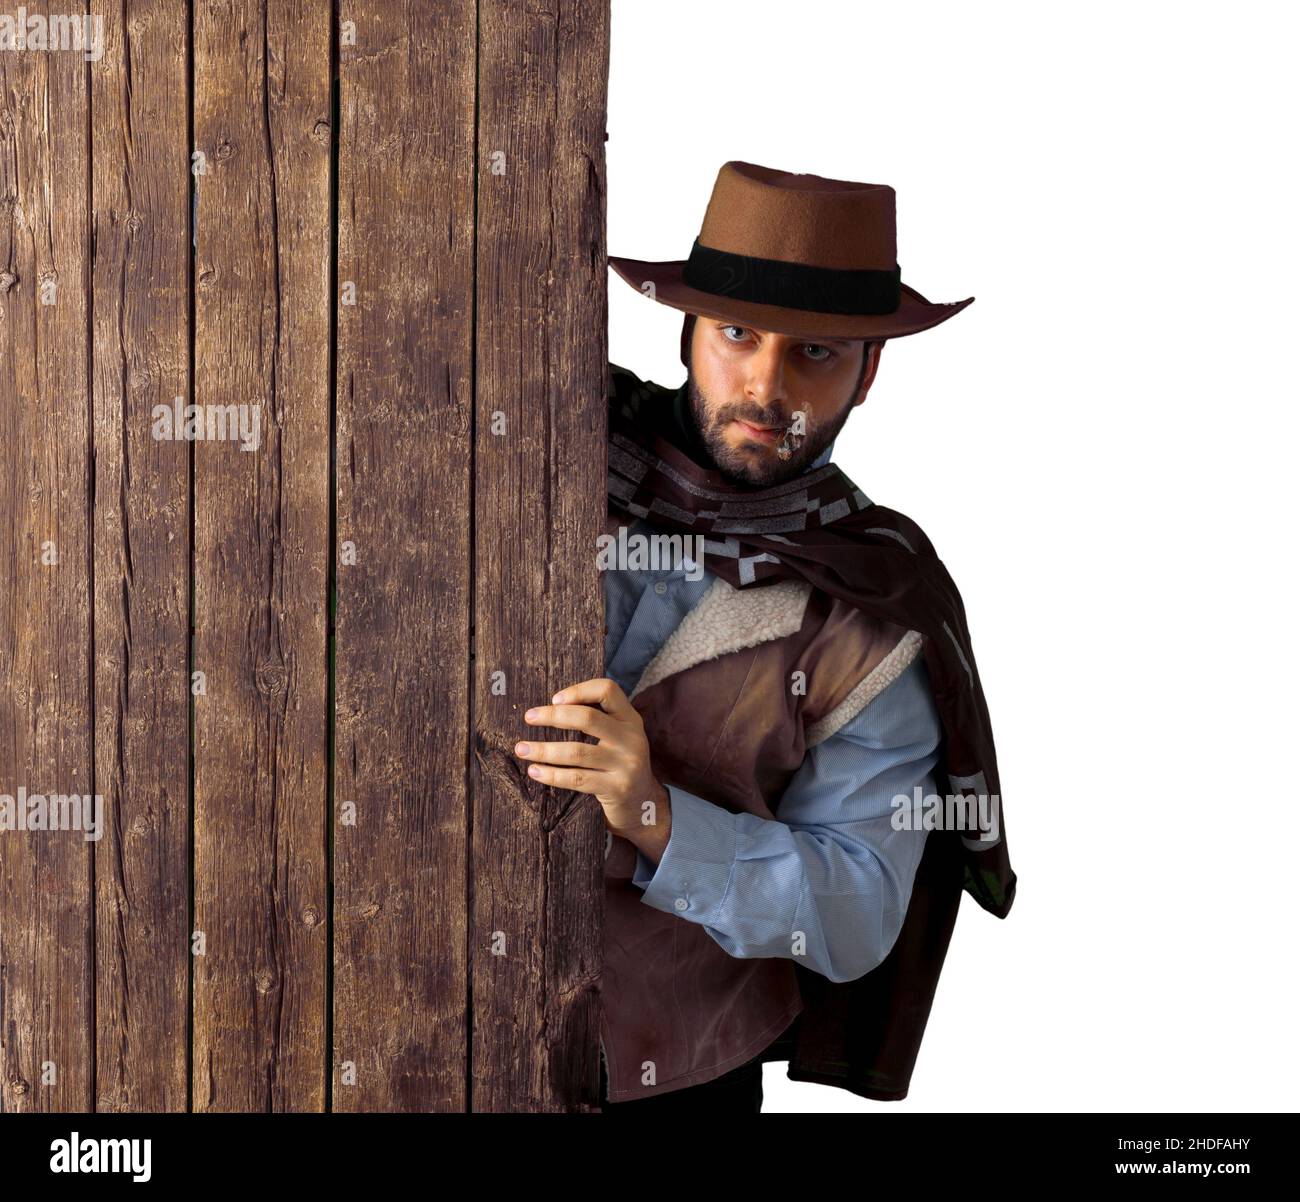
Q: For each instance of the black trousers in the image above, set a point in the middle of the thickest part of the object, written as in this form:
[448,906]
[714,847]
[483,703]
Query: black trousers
[738,1092]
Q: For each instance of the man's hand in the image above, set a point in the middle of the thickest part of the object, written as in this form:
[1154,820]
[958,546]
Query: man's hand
[616,769]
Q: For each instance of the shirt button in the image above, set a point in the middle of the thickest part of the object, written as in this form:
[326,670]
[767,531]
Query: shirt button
[682,904]
[661,588]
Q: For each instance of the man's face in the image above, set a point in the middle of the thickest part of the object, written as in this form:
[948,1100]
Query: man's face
[746,385]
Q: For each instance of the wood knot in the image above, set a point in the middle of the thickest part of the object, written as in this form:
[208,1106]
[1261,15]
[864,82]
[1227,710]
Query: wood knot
[264,979]
[224,151]
[271,679]
[321,132]
[510,773]
[142,825]
[7,281]
[309,916]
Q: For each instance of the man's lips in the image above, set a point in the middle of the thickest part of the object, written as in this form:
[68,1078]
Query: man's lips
[764,434]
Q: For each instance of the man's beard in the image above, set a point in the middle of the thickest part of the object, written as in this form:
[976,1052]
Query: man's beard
[763,468]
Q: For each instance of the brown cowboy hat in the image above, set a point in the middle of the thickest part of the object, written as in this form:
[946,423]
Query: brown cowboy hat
[795,254]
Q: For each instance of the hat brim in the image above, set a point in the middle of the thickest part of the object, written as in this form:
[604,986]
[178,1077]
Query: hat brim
[913,314]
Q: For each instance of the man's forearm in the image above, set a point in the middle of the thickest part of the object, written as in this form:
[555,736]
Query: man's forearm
[829,880]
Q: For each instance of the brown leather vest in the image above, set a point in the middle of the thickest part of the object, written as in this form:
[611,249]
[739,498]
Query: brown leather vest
[728,719]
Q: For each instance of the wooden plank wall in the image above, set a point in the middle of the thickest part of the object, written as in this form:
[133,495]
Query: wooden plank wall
[295,673]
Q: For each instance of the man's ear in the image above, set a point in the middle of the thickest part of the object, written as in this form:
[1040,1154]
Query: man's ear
[873,362]
[688,334]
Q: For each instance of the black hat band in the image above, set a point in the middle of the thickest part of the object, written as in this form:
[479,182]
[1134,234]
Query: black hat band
[793,285]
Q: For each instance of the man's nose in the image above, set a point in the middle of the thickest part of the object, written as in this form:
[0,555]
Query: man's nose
[766,383]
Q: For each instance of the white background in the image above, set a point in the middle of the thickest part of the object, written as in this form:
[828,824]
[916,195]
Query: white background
[1100,448]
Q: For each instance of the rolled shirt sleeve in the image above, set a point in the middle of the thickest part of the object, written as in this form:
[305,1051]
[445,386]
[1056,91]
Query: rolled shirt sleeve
[827,883]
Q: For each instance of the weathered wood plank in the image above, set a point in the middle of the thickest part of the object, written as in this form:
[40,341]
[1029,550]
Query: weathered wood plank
[261,117]
[46,915]
[540,492]
[140,285]
[403,437]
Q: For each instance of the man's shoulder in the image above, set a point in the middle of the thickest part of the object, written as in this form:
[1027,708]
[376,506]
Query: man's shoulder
[624,385]
[892,527]
[852,659]
[850,633]
[622,376]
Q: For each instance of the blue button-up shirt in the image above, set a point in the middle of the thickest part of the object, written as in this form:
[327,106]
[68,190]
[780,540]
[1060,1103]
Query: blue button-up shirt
[832,866]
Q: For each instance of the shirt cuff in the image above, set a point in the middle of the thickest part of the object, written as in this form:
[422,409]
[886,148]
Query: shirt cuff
[692,876]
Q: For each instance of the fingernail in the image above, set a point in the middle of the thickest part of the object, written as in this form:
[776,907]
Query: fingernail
[559,697]
[531,714]
[522,749]
[534,770]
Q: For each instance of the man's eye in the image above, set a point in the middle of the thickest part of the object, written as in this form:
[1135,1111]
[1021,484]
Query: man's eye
[739,329]
[825,352]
